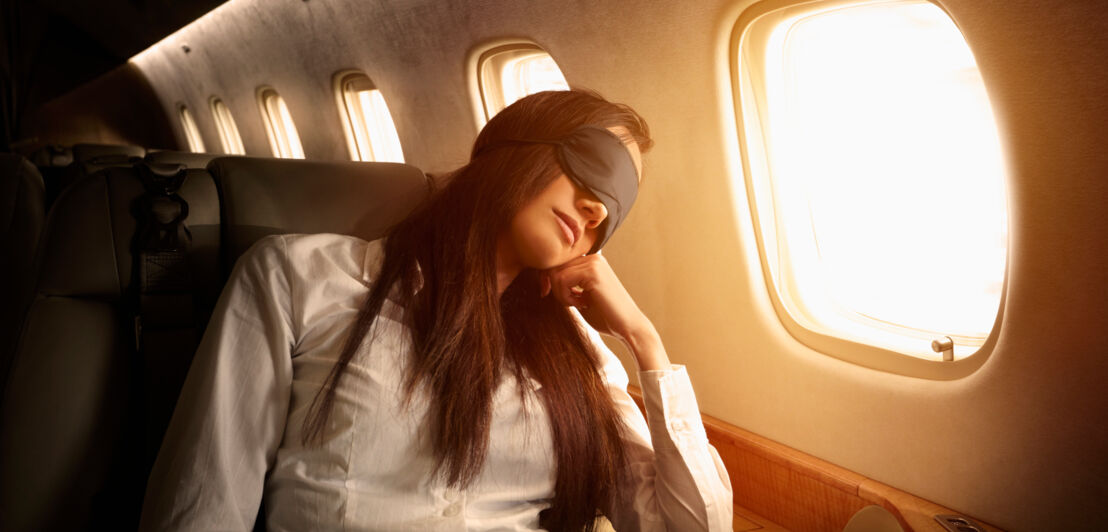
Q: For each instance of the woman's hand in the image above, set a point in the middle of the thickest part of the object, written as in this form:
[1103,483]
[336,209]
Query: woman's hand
[590,284]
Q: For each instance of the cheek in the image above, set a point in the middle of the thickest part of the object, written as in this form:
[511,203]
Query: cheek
[585,243]
[530,244]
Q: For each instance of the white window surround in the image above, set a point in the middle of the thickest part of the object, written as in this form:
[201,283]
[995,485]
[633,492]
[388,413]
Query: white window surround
[229,138]
[486,68]
[756,31]
[367,123]
[279,127]
[192,133]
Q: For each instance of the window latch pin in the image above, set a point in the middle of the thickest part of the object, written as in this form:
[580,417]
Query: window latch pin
[945,345]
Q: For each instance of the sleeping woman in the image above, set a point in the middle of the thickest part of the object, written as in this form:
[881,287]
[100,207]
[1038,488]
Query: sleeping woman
[449,376]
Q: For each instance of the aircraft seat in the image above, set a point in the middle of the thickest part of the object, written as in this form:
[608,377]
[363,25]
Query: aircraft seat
[263,196]
[73,421]
[187,158]
[84,412]
[87,159]
[56,182]
[22,214]
[52,156]
[85,152]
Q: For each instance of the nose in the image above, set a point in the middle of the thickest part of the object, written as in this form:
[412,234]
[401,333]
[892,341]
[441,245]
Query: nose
[594,211]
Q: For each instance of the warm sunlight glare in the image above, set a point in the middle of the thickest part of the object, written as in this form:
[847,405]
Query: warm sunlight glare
[229,137]
[192,133]
[286,140]
[888,175]
[530,74]
[377,138]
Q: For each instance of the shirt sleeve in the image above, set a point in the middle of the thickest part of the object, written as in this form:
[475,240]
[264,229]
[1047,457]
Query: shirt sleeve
[230,416]
[676,480]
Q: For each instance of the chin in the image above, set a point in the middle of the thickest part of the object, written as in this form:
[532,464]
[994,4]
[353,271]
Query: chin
[542,256]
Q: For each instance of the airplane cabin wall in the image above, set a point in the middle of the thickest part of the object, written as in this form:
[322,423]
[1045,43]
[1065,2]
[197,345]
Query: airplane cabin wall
[1020,442]
[118,107]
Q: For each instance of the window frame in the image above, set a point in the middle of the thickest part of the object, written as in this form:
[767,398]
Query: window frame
[192,131]
[339,84]
[230,140]
[748,189]
[295,147]
[484,99]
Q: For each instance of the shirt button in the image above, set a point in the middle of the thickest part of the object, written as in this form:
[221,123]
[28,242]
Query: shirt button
[452,510]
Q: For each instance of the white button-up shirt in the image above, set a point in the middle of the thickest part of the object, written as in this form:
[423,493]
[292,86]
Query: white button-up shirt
[274,336]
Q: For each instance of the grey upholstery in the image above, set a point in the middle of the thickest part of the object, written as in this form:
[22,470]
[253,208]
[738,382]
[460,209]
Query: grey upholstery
[187,158]
[73,447]
[70,450]
[88,164]
[267,196]
[52,156]
[22,213]
[87,152]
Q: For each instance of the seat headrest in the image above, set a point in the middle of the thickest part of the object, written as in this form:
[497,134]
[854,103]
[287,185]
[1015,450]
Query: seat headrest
[260,197]
[91,256]
[109,159]
[189,159]
[85,152]
[52,155]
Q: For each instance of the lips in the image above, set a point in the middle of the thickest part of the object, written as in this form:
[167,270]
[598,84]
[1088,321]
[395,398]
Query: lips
[569,226]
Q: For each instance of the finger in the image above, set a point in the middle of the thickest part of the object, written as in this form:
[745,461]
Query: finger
[544,283]
[566,293]
[576,295]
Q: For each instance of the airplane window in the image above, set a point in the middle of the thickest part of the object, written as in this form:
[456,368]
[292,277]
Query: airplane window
[876,175]
[192,133]
[510,72]
[370,132]
[229,136]
[283,139]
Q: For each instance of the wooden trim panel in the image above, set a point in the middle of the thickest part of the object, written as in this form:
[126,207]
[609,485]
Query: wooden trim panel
[779,488]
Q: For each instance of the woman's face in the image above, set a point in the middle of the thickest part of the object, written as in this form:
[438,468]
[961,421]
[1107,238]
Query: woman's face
[560,223]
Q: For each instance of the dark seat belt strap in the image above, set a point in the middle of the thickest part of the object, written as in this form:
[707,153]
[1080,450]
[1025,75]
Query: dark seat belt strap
[162,294]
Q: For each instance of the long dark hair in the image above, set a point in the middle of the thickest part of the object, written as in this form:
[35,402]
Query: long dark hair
[442,262]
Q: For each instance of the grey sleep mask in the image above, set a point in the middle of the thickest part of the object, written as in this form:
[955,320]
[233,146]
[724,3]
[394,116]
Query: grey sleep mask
[597,160]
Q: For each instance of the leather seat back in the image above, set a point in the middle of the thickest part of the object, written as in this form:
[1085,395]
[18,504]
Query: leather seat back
[268,196]
[76,419]
[85,152]
[22,214]
[71,419]
[187,158]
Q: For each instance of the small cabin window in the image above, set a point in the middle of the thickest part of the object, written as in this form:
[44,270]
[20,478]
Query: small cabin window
[229,136]
[370,132]
[874,174]
[279,127]
[192,133]
[509,72]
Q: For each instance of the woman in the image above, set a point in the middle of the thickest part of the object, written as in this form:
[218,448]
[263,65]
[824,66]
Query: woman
[439,379]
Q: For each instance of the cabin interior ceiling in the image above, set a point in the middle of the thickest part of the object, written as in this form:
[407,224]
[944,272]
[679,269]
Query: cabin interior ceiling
[1008,442]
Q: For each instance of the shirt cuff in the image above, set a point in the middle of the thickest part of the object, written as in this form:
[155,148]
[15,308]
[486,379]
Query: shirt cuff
[671,406]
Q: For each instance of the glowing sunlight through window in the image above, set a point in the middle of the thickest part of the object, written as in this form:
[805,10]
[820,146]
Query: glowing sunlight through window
[370,131]
[877,174]
[511,72]
[192,133]
[229,137]
[280,130]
